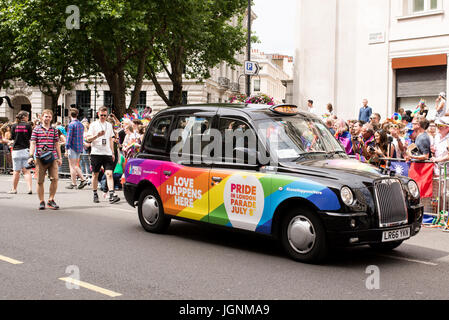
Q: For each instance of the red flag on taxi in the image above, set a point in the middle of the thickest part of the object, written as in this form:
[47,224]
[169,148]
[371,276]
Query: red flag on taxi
[422,173]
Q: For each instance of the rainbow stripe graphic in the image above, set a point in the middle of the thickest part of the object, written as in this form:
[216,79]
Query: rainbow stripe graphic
[239,199]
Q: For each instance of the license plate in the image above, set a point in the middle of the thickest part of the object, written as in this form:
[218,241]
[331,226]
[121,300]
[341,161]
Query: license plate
[395,235]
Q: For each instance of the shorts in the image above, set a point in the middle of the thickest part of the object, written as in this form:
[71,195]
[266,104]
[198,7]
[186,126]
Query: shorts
[74,155]
[20,159]
[98,161]
[42,169]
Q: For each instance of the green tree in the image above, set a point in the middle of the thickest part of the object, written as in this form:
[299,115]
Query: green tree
[119,34]
[9,56]
[199,35]
[51,57]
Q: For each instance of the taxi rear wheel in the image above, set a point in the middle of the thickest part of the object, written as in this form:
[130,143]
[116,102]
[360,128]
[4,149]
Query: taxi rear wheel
[151,213]
[387,246]
[303,236]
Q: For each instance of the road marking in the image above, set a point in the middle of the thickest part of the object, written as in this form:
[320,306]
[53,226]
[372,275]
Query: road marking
[91,287]
[9,260]
[409,260]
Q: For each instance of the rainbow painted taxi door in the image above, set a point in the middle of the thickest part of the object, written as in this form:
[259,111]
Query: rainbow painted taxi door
[237,198]
[184,191]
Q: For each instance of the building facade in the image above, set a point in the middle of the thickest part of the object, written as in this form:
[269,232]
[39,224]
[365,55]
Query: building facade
[275,71]
[391,52]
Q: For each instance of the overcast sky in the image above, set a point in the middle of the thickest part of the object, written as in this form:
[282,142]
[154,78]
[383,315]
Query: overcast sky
[275,26]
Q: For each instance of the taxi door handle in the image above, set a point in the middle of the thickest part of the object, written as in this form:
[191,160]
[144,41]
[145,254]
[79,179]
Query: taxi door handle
[217,179]
[167,173]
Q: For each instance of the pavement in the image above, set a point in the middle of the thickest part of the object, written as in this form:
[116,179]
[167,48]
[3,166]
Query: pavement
[105,248]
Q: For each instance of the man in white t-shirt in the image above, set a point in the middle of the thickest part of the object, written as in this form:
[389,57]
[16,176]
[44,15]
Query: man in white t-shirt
[101,136]
[310,107]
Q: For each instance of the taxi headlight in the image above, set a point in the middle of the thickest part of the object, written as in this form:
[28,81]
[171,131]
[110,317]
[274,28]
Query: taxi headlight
[413,189]
[347,196]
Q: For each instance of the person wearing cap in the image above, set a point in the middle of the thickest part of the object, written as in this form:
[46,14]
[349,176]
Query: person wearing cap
[440,105]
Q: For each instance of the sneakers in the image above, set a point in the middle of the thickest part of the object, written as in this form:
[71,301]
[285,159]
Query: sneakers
[42,206]
[52,205]
[96,200]
[12,192]
[82,184]
[114,199]
[71,186]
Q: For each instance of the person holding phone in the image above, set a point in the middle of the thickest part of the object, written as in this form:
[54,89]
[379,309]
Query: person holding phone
[101,137]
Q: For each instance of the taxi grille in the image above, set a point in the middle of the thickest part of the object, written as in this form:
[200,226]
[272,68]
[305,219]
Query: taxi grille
[390,202]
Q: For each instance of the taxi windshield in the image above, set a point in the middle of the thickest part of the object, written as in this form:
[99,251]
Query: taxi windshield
[292,138]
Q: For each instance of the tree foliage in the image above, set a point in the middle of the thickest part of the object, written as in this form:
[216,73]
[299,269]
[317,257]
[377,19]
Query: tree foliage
[125,41]
[9,55]
[119,34]
[199,35]
[51,58]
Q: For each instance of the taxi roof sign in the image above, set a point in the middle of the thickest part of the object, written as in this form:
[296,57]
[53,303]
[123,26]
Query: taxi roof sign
[285,109]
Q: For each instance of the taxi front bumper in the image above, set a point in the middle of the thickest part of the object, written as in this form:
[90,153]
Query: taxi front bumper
[361,228]
[129,191]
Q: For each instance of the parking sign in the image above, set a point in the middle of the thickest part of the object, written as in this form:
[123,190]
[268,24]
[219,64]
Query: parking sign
[251,68]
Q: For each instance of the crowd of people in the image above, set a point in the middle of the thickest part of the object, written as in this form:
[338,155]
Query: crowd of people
[406,135]
[96,151]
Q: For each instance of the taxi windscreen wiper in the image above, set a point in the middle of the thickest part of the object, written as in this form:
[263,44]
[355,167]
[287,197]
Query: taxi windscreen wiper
[305,154]
[331,154]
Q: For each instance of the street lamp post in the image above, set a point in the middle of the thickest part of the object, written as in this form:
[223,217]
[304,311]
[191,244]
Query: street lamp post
[95,100]
[248,77]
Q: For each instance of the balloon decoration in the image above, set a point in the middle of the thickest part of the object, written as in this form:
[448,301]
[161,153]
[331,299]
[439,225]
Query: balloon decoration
[144,116]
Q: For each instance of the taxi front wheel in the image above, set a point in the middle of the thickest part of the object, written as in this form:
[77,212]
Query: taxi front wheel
[151,213]
[303,236]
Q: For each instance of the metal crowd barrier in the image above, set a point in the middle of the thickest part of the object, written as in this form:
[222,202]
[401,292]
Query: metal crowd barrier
[441,198]
[64,169]
[442,186]
[5,161]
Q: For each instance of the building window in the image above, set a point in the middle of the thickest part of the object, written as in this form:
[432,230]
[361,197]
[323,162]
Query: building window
[83,103]
[256,85]
[184,97]
[419,6]
[142,101]
[108,99]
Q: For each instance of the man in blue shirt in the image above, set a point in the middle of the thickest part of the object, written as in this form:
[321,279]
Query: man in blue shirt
[365,112]
[74,148]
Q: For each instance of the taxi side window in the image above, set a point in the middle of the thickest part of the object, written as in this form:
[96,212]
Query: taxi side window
[158,134]
[238,141]
[188,135]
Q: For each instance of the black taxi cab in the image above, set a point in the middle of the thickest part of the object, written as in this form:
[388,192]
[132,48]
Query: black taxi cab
[273,170]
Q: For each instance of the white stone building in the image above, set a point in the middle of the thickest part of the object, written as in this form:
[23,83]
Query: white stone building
[391,52]
[275,70]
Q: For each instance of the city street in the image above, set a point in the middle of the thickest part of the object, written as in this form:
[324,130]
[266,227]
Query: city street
[117,259]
